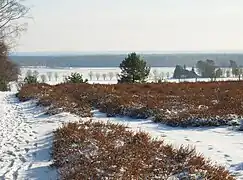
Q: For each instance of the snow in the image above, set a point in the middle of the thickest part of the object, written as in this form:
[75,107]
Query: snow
[63,72]
[26,133]
[26,139]
[222,145]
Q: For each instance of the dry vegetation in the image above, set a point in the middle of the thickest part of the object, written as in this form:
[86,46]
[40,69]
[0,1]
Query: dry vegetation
[175,104]
[93,150]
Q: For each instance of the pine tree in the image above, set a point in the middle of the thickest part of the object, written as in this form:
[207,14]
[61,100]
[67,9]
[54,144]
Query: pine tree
[133,69]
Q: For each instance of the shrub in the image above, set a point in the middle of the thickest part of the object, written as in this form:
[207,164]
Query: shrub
[30,80]
[3,85]
[75,78]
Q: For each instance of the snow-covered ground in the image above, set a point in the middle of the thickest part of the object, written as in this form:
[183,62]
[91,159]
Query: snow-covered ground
[222,145]
[26,139]
[105,75]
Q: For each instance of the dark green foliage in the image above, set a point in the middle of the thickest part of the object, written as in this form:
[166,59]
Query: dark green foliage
[134,69]
[3,85]
[30,80]
[75,78]
[181,72]
[206,68]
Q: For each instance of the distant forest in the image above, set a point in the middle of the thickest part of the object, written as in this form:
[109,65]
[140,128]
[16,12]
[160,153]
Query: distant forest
[154,60]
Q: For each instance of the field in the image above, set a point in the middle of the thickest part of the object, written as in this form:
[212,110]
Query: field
[108,75]
[173,104]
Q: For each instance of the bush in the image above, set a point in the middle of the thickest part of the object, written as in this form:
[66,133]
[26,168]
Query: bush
[75,78]
[94,150]
[3,85]
[30,80]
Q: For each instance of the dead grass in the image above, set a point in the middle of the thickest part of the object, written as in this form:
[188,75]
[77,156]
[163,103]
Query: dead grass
[93,150]
[175,104]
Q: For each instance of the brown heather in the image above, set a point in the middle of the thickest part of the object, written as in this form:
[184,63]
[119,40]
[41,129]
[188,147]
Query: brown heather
[212,102]
[92,150]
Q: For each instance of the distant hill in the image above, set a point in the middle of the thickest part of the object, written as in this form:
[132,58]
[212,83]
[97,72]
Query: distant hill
[113,60]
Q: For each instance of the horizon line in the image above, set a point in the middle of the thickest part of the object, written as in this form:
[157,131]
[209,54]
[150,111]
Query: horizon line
[73,53]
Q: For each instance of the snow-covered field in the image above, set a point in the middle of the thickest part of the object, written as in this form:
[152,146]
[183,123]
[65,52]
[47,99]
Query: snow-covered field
[105,75]
[26,139]
[26,133]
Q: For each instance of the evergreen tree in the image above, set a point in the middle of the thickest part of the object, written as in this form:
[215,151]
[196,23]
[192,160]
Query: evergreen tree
[133,69]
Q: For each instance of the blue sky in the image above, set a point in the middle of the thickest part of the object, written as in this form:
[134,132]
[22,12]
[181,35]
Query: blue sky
[133,25]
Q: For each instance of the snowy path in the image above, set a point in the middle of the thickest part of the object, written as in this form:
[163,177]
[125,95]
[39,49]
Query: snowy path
[26,139]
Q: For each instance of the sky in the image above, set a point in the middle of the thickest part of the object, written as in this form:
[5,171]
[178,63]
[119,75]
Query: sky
[133,25]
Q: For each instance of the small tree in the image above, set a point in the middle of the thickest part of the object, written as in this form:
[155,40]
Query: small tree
[227,73]
[156,75]
[218,73]
[104,76]
[29,73]
[97,76]
[206,68]
[30,80]
[56,76]
[161,76]
[36,74]
[117,75]
[43,78]
[168,75]
[240,73]
[75,78]
[91,75]
[49,75]
[133,69]
[111,75]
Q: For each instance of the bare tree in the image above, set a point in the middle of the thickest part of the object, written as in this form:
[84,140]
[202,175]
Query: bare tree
[150,76]
[49,75]
[104,76]
[111,75]
[43,78]
[11,11]
[161,75]
[56,76]
[35,73]
[91,75]
[117,75]
[228,73]
[97,76]
[156,75]
[29,73]
[168,75]
[64,77]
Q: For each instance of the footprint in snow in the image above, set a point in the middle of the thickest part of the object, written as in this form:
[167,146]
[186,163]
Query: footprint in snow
[226,155]
[210,147]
